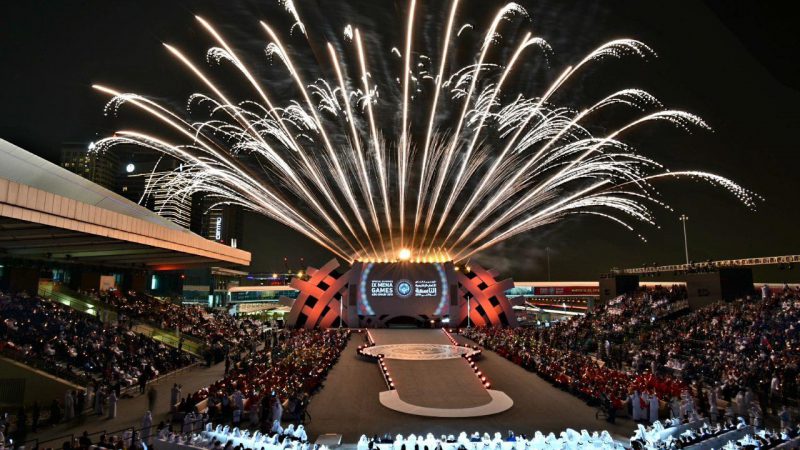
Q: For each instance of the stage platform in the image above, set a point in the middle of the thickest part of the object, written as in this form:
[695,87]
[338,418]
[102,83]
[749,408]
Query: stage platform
[349,404]
[432,381]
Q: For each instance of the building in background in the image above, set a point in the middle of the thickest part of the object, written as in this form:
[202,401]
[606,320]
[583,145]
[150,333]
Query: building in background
[100,168]
[128,170]
[221,222]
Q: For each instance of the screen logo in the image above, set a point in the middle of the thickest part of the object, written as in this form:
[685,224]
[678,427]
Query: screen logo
[381,288]
[404,288]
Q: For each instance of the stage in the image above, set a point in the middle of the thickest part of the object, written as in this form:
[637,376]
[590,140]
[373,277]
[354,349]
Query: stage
[431,377]
[349,403]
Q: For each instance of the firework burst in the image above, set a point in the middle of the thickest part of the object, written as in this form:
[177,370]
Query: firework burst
[466,162]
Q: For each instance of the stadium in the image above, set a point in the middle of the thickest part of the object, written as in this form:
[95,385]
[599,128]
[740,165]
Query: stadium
[398,225]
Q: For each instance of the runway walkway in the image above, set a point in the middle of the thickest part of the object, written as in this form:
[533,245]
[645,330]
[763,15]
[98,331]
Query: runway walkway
[446,383]
[349,404]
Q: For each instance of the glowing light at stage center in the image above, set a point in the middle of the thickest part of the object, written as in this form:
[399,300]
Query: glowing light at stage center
[404,255]
[448,157]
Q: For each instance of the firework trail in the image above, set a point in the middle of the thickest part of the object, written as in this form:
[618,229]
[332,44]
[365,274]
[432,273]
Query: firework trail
[465,163]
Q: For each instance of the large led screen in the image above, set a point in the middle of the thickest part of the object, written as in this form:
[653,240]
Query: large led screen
[404,289]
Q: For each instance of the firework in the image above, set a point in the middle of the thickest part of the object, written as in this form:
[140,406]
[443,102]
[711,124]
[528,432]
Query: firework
[467,161]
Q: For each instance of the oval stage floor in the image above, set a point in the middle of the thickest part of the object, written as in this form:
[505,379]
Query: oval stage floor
[431,378]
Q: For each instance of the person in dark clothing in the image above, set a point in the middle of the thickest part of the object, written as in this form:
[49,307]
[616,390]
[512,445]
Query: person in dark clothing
[35,413]
[80,403]
[55,412]
[142,382]
[84,440]
[208,356]
[152,395]
[22,425]
[608,406]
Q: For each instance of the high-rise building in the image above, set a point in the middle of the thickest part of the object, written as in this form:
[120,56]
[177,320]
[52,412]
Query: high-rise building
[221,222]
[100,168]
[130,171]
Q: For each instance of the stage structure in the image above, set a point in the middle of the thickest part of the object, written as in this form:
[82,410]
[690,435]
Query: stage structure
[381,294]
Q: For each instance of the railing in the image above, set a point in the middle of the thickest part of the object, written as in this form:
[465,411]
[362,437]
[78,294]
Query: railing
[103,313]
[189,345]
[135,432]
[711,265]
[45,365]
[37,442]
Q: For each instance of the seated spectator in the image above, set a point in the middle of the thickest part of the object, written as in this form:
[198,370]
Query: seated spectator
[280,379]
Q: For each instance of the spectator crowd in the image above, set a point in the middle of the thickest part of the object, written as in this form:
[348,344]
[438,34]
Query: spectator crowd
[218,330]
[273,384]
[78,346]
[650,346]
[109,358]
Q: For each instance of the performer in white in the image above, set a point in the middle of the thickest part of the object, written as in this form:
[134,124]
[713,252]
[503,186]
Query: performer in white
[636,409]
[654,405]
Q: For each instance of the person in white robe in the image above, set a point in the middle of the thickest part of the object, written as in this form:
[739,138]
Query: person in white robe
[69,406]
[675,408]
[654,405]
[276,427]
[636,409]
[300,433]
[362,443]
[238,400]
[112,405]
[713,407]
[644,404]
[147,424]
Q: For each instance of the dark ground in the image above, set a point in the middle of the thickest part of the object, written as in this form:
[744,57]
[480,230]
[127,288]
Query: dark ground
[349,404]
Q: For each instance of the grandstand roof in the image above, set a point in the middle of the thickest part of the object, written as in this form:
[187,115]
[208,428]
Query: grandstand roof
[48,212]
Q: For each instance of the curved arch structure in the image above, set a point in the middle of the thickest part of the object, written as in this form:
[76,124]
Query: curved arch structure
[483,297]
[322,296]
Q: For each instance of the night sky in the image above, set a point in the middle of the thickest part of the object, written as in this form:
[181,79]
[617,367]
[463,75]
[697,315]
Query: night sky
[732,63]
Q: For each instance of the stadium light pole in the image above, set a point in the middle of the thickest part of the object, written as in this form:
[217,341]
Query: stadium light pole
[683,219]
[469,309]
